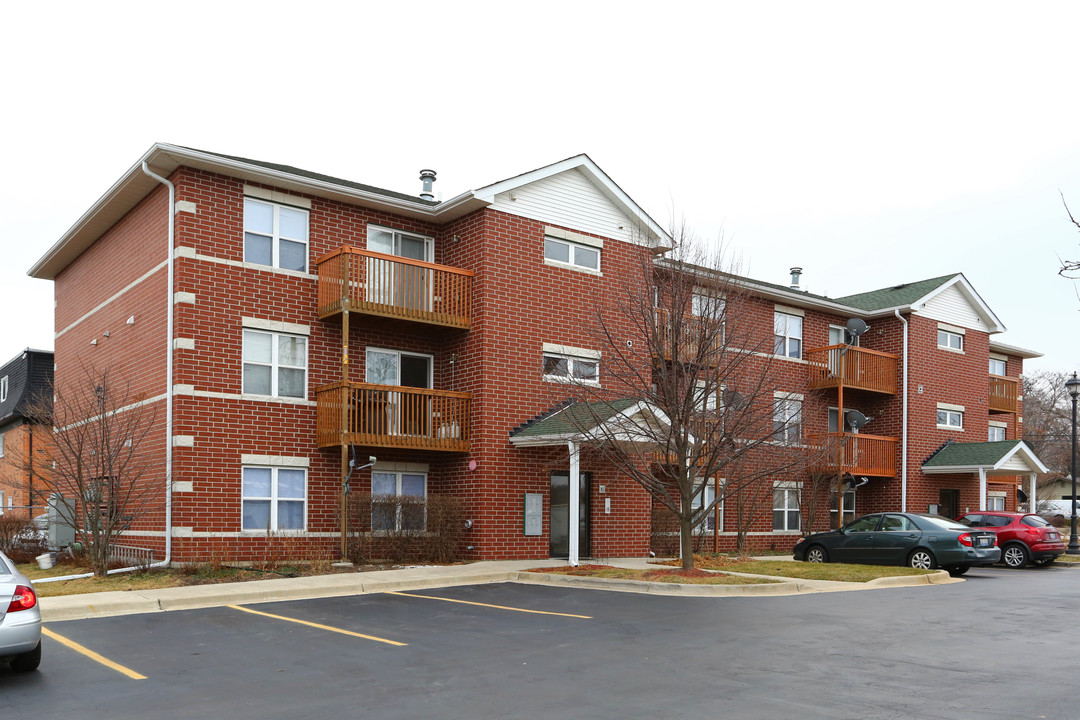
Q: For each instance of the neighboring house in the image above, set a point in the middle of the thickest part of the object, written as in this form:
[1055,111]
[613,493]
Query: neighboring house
[312,321]
[25,389]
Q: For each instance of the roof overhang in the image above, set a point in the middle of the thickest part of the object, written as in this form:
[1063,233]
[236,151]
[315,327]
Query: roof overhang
[1019,352]
[636,424]
[993,324]
[1020,451]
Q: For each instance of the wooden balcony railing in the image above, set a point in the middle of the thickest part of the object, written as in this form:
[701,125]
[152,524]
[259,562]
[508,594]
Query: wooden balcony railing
[860,453]
[1004,392]
[394,287]
[691,332]
[392,416]
[853,367]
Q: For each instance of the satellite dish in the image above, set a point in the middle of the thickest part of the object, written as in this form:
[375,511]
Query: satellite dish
[856,327]
[733,399]
[855,419]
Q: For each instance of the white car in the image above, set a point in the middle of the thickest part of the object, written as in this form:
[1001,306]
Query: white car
[1056,509]
[20,619]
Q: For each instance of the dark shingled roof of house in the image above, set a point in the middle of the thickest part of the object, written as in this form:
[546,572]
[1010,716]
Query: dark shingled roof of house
[570,418]
[969,454]
[896,296]
[29,376]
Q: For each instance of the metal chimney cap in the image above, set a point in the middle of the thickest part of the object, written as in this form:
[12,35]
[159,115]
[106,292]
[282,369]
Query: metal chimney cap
[795,273]
[427,177]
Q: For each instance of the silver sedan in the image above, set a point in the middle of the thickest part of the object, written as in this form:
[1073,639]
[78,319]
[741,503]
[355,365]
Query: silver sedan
[20,619]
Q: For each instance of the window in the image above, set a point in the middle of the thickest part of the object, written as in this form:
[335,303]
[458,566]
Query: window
[398,500]
[275,235]
[571,253]
[275,365]
[569,368]
[1,445]
[704,499]
[402,244]
[849,507]
[996,433]
[947,418]
[840,336]
[995,501]
[785,515]
[787,418]
[705,304]
[706,399]
[950,340]
[274,498]
[787,334]
[897,523]
[3,389]
[997,367]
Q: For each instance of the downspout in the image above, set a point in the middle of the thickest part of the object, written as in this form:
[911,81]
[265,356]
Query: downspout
[904,418]
[168,398]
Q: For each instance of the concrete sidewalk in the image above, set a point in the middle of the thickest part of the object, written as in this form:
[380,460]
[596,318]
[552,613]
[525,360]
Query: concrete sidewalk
[106,604]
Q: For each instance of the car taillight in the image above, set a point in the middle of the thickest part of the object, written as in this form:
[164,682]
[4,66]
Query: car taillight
[965,539]
[24,599]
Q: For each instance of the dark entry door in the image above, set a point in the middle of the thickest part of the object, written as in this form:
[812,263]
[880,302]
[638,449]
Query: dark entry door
[560,514]
[948,500]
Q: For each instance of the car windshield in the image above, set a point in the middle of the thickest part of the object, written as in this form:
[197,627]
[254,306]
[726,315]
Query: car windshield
[941,522]
[1034,521]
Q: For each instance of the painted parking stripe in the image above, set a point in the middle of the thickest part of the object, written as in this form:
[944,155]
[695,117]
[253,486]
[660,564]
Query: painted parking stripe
[497,607]
[82,649]
[317,625]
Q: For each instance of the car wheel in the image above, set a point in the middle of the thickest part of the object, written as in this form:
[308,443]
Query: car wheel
[922,559]
[27,661]
[1015,556]
[958,570]
[817,554]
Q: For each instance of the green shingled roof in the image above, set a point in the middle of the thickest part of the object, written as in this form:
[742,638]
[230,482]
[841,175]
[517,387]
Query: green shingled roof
[896,296]
[570,420]
[972,454]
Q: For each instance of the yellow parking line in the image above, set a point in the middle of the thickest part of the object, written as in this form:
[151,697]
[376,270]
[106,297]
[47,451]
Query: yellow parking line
[497,607]
[317,625]
[92,655]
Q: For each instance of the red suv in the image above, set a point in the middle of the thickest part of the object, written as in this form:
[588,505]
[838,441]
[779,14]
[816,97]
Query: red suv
[1022,537]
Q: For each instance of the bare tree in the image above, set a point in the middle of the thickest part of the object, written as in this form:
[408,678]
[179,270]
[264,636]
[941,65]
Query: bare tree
[688,387]
[97,459]
[1048,423]
[1070,268]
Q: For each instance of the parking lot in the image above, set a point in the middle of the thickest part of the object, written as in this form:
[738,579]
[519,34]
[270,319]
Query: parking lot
[996,645]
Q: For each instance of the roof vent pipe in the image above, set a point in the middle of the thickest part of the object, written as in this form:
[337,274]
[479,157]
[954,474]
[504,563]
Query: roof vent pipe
[427,177]
[796,273]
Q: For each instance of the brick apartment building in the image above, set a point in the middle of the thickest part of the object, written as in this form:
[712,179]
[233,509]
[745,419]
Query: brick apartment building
[287,322]
[25,391]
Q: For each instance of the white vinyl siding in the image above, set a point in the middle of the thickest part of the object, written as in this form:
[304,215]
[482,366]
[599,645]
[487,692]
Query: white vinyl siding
[569,200]
[951,306]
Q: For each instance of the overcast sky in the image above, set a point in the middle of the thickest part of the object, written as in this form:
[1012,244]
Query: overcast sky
[871,144]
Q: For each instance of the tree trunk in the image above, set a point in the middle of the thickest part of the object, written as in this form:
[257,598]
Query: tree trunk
[686,542]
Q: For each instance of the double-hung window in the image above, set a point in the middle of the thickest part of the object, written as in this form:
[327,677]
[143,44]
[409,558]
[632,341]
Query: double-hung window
[704,498]
[787,417]
[275,235]
[849,507]
[571,365]
[3,388]
[275,364]
[274,498]
[785,506]
[997,367]
[398,500]
[787,334]
[949,340]
[996,432]
[572,253]
[950,416]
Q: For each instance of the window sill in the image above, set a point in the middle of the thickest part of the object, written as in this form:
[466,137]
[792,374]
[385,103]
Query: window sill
[570,266]
[952,428]
[788,358]
[570,381]
[951,350]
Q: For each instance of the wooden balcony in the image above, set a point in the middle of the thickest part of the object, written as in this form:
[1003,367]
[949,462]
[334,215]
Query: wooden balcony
[692,331]
[394,287]
[852,367]
[392,416]
[861,454]
[1003,395]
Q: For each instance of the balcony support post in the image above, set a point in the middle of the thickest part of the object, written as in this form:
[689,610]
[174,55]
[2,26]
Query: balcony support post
[344,424]
[840,454]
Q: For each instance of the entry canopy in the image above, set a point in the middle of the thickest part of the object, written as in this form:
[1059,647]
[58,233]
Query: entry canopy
[1004,457]
[626,420]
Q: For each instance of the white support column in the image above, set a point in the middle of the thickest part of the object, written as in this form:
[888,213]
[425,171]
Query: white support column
[575,503]
[1032,505]
[982,489]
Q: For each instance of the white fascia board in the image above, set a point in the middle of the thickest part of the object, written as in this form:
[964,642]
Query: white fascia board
[614,193]
[543,440]
[993,323]
[1019,352]
[1028,454]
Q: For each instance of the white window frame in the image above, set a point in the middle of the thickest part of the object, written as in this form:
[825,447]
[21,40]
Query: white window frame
[2,436]
[276,237]
[397,493]
[3,388]
[792,492]
[705,497]
[995,428]
[849,507]
[572,356]
[275,365]
[787,417]
[1002,362]
[951,339]
[950,417]
[995,500]
[572,248]
[274,498]
[845,336]
[785,342]
[397,235]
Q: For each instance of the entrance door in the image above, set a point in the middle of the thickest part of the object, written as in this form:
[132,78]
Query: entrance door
[560,514]
[948,501]
[405,413]
[397,283]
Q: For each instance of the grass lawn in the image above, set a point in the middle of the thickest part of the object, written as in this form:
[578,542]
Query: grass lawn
[660,574]
[840,572]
